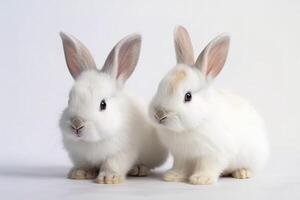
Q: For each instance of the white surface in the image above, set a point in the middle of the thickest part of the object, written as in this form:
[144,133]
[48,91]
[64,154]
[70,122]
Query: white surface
[281,180]
[263,66]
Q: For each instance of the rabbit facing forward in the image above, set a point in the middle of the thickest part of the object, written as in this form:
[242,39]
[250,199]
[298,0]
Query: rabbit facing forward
[106,131]
[208,131]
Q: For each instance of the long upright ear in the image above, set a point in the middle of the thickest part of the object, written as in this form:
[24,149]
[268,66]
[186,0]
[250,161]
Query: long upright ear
[213,57]
[183,46]
[77,56]
[123,58]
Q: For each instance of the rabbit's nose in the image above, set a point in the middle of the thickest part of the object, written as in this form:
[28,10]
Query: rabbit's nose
[160,114]
[77,123]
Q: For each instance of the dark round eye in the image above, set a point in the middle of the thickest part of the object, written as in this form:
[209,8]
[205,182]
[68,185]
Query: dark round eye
[188,97]
[102,105]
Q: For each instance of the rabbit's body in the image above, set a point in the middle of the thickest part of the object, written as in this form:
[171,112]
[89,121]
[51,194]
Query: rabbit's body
[209,132]
[106,130]
[233,135]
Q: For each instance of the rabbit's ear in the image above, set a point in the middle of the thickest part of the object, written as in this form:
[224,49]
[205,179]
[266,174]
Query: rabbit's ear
[213,57]
[123,58]
[77,56]
[183,46]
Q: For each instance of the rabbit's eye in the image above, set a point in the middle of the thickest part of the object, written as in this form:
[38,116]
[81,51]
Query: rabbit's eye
[102,105]
[188,97]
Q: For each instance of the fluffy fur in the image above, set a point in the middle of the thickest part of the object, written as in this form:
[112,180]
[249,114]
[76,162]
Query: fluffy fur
[217,132]
[106,144]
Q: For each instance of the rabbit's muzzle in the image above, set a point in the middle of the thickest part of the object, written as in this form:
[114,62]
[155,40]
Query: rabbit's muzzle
[77,124]
[160,115]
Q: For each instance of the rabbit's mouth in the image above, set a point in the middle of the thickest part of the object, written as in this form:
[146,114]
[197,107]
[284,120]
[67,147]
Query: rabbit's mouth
[77,134]
[77,131]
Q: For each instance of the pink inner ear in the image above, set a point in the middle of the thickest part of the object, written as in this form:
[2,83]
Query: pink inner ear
[127,60]
[183,46]
[109,62]
[216,59]
[72,60]
[77,56]
[124,60]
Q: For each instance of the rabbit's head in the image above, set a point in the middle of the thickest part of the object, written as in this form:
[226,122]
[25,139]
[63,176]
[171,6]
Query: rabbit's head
[184,96]
[95,100]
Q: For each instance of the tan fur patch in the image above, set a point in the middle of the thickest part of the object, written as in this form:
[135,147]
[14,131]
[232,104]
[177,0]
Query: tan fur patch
[177,77]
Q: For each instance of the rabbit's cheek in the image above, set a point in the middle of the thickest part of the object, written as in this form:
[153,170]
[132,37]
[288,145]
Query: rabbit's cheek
[90,134]
[173,123]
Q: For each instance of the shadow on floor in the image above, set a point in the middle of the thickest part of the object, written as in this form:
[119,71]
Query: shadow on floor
[34,171]
[41,172]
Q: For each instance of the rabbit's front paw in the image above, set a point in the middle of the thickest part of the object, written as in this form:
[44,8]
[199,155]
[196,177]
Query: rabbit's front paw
[174,176]
[241,173]
[83,174]
[202,179]
[139,170]
[109,178]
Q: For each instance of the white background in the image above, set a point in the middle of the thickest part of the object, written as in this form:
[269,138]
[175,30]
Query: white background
[263,66]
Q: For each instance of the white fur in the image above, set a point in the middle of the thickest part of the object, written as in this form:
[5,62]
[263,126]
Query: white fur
[215,133]
[112,140]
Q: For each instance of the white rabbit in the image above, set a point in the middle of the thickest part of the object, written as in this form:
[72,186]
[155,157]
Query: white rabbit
[209,132]
[105,130]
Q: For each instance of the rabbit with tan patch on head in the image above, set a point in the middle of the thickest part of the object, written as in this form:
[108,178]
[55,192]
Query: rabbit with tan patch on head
[106,130]
[209,131]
